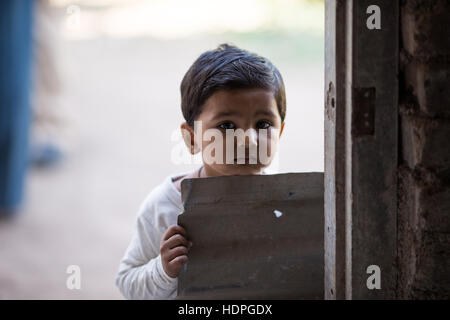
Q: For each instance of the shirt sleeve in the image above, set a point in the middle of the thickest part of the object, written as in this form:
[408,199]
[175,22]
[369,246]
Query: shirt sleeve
[141,274]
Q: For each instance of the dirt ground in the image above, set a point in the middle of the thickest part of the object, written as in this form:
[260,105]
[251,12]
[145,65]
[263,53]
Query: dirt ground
[120,106]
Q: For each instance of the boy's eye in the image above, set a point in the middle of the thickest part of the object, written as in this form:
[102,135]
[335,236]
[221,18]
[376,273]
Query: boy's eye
[227,125]
[262,125]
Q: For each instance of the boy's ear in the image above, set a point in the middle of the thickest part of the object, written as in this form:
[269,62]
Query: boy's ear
[189,138]
[281,129]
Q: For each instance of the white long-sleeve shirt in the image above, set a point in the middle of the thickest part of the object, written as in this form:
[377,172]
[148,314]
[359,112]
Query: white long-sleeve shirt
[141,274]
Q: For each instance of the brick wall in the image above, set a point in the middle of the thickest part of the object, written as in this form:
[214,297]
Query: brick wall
[424,162]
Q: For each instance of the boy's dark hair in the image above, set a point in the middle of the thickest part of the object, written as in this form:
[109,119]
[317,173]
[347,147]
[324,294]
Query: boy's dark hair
[224,68]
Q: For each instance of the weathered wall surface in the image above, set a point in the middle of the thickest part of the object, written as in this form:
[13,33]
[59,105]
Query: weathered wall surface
[424,158]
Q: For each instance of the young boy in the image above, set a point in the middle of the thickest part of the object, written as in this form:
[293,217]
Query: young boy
[226,90]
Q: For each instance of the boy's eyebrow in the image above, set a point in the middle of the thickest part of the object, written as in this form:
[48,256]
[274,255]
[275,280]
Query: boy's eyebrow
[230,113]
[266,113]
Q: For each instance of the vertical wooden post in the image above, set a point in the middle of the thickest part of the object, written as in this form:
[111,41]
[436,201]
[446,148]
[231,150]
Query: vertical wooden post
[334,150]
[361,143]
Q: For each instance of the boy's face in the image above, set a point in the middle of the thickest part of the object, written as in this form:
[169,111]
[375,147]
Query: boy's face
[246,111]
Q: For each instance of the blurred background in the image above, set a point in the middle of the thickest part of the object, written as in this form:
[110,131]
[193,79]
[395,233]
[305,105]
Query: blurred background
[90,114]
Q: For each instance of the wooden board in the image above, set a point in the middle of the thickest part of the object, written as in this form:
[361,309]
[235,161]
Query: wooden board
[243,248]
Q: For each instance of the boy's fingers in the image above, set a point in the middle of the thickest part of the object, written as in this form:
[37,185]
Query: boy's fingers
[175,241]
[176,252]
[174,230]
[178,261]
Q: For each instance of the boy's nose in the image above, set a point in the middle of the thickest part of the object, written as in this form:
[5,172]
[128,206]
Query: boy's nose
[252,139]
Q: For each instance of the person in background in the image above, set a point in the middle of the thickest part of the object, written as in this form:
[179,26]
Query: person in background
[48,118]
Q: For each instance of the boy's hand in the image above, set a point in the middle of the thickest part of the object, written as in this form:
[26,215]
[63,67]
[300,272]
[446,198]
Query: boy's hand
[174,248]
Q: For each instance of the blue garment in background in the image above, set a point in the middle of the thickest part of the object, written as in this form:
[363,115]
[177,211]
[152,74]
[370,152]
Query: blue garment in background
[15,84]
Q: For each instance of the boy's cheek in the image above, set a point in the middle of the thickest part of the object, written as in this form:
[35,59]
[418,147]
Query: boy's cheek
[268,144]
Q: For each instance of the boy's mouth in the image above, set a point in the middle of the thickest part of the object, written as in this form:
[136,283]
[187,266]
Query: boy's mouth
[246,160]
